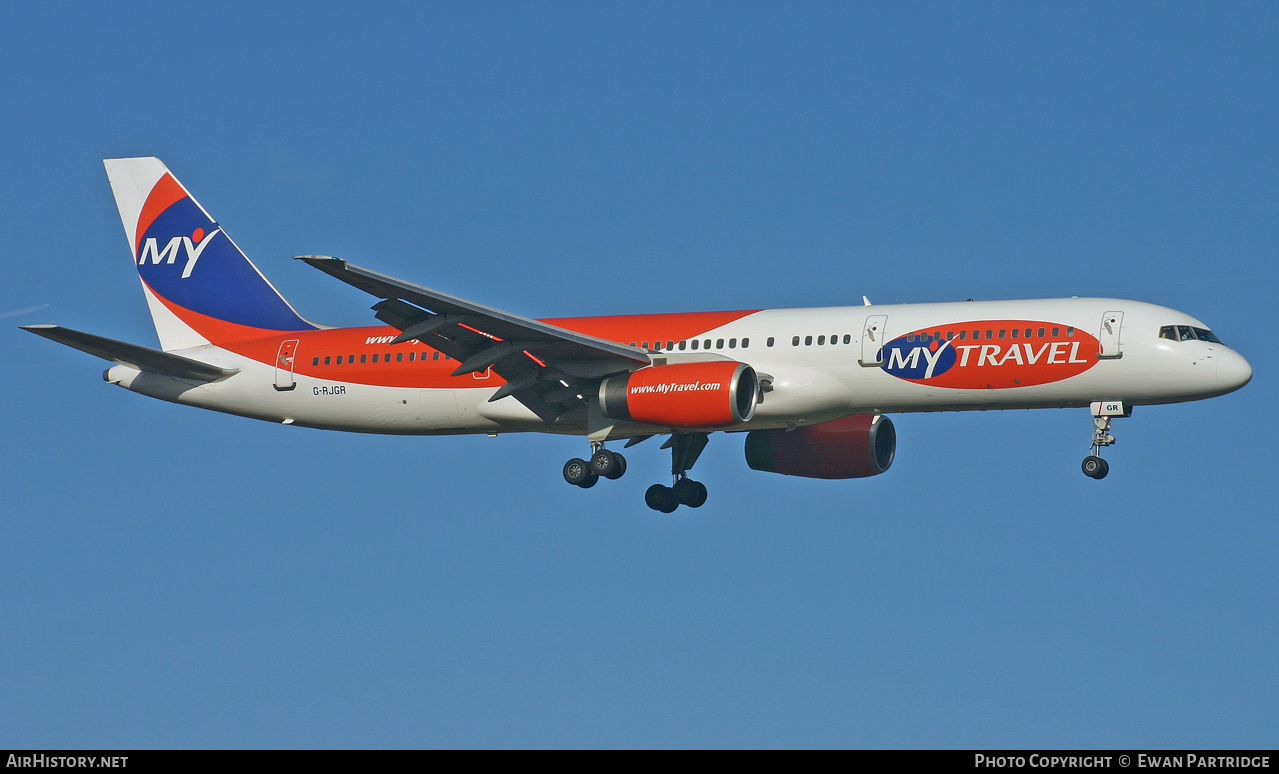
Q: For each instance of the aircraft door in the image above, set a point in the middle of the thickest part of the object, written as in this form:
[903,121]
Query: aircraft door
[284,362]
[873,340]
[437,409]
[1111,324]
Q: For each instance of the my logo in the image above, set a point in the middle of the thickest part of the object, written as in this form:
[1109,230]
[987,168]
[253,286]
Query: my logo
[1025,353]
[194,246]
[918,359]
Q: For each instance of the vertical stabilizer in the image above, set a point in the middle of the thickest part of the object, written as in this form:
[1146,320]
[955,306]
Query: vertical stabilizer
[201,288]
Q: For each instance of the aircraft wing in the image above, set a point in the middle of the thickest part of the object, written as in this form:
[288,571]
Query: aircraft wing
[547,368]
[142,358]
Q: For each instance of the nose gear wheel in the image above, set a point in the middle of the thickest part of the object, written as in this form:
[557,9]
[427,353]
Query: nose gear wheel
[1093,465]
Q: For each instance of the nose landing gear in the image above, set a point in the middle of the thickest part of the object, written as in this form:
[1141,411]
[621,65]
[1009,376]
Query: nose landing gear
[1095,467]
[1102,411]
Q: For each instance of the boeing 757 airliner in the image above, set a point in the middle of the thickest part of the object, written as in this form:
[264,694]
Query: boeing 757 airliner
[811,387]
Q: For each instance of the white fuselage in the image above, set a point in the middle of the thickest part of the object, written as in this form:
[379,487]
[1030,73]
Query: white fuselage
[806,382]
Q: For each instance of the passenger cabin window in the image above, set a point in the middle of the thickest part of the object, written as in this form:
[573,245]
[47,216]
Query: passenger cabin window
[719,344]
[794,342]
[821,340]
[328,358]
[768,343]
[695,342]
[315,361]
[732,343]
[746,343]
[364,358]
[808,341]
[847,339]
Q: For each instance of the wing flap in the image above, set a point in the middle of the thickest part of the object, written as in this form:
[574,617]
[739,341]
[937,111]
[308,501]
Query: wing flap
[549,369]
[142,358]
[486,319]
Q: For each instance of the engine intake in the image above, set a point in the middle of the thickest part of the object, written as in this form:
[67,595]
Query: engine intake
[717,393]
[851,447]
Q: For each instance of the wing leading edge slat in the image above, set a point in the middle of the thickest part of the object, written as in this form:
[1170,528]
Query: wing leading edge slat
[551,370]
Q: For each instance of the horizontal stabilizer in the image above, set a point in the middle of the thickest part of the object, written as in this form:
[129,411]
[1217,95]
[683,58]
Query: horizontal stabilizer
[142,358]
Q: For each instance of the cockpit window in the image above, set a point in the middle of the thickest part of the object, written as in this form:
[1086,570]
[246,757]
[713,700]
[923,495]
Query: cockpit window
[1187,333]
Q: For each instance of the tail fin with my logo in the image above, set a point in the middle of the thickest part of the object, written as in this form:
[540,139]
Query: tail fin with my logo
[201,288]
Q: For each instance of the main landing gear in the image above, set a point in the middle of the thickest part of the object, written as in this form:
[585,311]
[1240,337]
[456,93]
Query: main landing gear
[685,449]
[587,473]
[1094,466]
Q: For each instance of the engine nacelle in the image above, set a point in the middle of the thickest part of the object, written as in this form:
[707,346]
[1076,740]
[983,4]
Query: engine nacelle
[851,447]
[713,393]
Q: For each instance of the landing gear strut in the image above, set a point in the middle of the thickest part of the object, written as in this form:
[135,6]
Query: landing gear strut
[685,449]
[1094,466]
[603,462]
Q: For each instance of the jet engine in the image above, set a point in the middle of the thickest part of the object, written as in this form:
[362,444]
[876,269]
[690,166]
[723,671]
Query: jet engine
[715,393]
[851,447]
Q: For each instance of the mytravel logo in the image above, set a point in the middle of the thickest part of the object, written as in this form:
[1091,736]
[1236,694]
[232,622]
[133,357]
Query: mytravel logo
[192,246]
[665,387]
[990,354]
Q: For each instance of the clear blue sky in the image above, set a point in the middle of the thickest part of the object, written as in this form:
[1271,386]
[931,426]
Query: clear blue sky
[173,577]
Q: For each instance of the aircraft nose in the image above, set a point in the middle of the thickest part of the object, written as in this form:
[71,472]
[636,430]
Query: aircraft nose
[1233,371]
